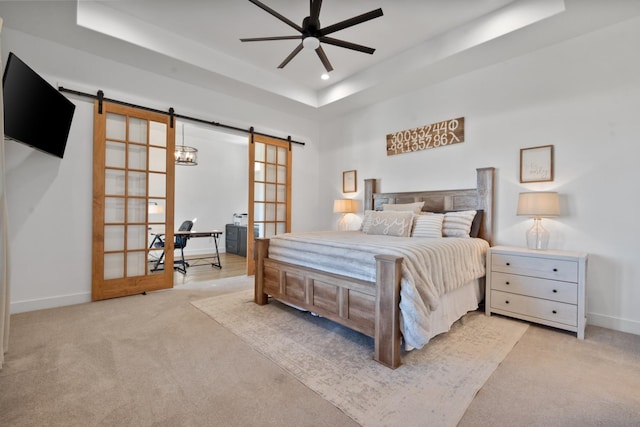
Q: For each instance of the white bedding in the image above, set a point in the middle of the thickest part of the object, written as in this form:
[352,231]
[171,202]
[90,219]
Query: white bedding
[432,267]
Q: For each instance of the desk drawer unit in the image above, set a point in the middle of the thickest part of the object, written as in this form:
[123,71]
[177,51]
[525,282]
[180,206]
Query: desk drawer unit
[546,287]
[236,239]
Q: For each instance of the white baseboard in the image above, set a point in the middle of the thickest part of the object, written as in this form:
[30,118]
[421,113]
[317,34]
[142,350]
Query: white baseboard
[615,323]
[52,302]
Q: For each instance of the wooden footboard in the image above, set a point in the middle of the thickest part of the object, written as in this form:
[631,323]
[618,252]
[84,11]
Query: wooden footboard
[371,308]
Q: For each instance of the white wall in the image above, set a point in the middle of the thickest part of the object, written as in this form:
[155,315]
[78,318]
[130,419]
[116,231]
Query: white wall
[582,96]
[49,199]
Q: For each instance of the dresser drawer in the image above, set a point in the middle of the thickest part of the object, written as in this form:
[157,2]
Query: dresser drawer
[231,232]
[535,307]
[546,268]
[231,246]
[532,286]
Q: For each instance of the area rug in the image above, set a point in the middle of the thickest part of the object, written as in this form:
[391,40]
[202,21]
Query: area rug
[231,283]
[433,386]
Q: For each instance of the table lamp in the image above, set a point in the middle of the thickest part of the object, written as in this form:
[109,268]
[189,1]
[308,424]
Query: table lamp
[155,208]
[344,207]
[538,204]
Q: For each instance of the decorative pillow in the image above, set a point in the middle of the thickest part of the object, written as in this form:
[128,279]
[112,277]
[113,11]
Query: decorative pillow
[475,225]
[394,223]
[366,219]
[457,224]
[413,207]
[428,225]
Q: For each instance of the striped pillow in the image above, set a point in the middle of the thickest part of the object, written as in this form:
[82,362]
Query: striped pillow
[457,224]
[429,225]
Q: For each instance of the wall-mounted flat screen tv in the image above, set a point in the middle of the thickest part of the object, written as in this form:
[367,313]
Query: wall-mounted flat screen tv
[35,113]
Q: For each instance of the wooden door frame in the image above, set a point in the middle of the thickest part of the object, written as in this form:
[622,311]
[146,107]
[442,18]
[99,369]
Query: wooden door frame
[133,284]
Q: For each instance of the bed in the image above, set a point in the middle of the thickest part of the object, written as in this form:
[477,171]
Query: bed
[370,301]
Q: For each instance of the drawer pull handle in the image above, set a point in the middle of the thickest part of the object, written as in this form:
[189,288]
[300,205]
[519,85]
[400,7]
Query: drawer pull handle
[506,283]
[554,312]
[508,264]
[506,302]
[555,269]
[555,291]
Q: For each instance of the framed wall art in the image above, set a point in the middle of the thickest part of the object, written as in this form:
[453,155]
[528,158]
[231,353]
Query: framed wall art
[536,164]
[349,182]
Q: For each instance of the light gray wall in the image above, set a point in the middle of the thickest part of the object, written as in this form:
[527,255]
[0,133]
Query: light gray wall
[582,96]
[49,200]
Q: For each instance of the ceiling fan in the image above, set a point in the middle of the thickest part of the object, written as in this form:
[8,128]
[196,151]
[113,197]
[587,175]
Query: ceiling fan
[312,34]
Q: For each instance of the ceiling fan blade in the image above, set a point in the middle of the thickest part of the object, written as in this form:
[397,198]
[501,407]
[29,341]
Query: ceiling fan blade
[314,12]
[291,55]
[324,59]
[262,39]
[347,45]
[276,14]
[350,22]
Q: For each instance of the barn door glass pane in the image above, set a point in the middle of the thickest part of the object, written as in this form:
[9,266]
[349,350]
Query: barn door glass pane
[114,210]
[137,157]
[116,126]
[113,266]
[135,198]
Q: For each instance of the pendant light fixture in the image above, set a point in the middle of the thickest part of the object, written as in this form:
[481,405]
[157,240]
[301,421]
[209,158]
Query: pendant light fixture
[186,156]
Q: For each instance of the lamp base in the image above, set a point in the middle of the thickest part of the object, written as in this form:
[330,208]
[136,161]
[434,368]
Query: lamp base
[346,222]
[537,236]
[343,224]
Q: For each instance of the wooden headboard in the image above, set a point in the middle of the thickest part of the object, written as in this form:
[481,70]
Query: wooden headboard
[477,198]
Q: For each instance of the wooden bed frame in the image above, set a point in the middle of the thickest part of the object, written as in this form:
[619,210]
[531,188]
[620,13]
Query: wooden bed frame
[371,308]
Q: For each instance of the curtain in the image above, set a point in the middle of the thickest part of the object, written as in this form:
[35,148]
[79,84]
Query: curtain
[4,242]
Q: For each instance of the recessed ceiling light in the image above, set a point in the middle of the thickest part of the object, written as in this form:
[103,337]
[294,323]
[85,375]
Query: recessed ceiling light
[325,76]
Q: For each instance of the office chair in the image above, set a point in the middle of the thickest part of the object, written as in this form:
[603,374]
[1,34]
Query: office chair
[180,242]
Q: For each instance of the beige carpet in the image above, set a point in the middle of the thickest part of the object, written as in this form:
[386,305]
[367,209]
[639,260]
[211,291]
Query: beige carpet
[434,385]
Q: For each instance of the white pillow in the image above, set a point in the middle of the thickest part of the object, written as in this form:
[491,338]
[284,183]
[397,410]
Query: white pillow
[394,223]
[428,225]
[457,224]
[413,207]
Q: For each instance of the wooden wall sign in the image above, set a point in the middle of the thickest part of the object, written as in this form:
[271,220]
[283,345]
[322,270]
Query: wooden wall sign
[430,136]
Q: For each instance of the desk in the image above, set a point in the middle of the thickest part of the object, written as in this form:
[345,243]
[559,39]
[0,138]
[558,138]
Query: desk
[195,234]
[215,234]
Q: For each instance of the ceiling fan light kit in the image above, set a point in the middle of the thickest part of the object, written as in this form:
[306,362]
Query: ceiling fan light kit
[311,43]
[312,35]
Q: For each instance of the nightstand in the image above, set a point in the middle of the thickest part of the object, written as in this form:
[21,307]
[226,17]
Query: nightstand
[546,287]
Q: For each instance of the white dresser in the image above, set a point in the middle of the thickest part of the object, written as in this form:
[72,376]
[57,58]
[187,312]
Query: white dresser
[546,287]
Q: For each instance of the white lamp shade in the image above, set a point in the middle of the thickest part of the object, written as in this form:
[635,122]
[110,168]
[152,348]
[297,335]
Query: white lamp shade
[539,204]
[344,206]
[155,208]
